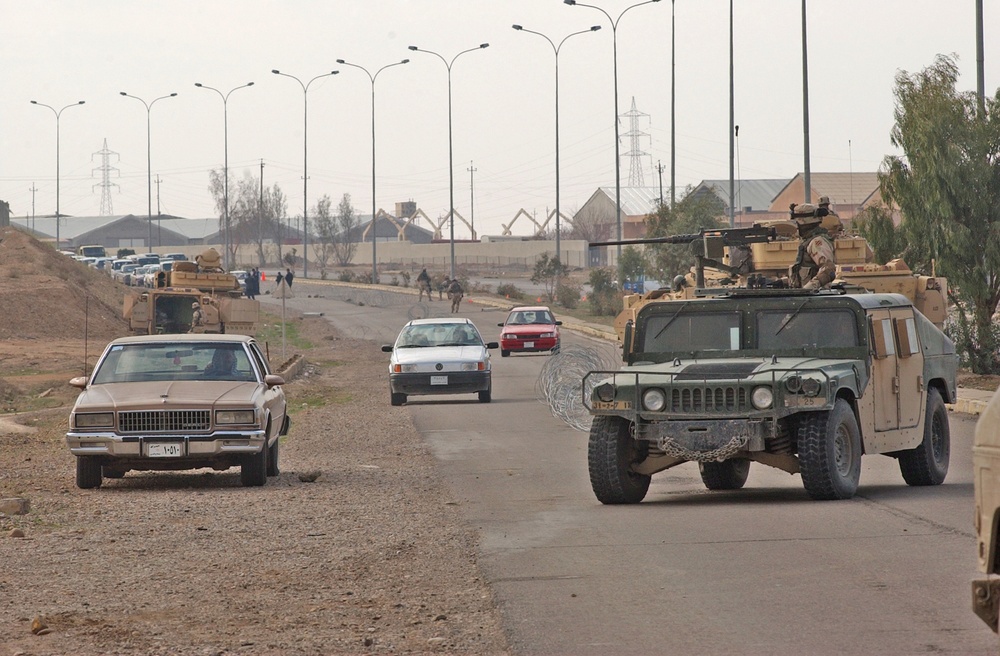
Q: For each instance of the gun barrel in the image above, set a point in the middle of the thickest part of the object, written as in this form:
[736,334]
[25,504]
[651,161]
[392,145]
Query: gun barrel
[729,237]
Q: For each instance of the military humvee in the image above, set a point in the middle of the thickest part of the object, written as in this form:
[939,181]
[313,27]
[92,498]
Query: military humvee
[805,381]
[167,307]
[986,481]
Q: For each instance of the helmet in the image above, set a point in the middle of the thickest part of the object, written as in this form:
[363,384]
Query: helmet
[679,283]
[824,200]
[195,306]
[806,213]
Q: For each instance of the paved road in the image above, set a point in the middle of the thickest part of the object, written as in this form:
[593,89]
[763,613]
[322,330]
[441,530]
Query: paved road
[763,570]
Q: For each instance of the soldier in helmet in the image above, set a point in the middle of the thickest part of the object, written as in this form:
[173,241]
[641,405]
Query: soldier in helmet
[831,221]
[815,266]
[197,316]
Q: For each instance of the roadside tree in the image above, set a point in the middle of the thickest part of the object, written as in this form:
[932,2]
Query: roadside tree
[688,216]
[946,185]
[547,272]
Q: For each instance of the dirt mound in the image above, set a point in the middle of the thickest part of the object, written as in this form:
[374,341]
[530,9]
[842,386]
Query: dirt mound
[47,295]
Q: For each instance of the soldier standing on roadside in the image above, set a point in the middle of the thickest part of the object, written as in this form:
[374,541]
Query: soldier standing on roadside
[455,293]
[197,316]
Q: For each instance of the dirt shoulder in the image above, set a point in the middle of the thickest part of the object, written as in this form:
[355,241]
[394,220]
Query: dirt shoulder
[372,556]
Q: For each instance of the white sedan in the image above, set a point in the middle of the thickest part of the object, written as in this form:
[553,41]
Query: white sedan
[439,356]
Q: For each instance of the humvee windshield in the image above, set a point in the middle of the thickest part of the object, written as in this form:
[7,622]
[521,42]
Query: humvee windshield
[775,330]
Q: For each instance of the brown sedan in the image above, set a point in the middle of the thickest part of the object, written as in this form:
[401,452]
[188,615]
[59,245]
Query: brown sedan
[176,402]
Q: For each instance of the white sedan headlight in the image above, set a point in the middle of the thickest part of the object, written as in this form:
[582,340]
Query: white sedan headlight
[762,397]
[235,417]
[94,420]
[474,366]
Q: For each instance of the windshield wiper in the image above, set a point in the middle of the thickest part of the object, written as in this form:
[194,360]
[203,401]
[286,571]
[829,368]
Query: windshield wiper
[790,317]
[669,321]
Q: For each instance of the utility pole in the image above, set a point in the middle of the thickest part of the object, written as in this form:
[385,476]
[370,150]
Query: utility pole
[472,197]
[260,212]
[659,171]
[33,190]
[159,231]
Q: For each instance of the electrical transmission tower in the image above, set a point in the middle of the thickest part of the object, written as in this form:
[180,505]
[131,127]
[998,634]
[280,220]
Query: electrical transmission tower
[635,154]
[105,184]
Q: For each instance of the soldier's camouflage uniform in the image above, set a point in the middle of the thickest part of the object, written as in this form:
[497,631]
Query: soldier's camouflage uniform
[815,266]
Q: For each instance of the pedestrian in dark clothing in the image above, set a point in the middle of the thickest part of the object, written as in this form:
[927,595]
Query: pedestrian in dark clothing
[278,279]
[289,276]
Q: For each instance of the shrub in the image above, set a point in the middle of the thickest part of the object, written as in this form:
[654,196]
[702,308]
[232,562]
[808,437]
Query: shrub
[345,276]
[568,294]
[508,290]
[405,275]
[605,302]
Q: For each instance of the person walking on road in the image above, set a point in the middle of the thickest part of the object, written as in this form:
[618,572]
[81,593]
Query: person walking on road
[289,276]
[455,293]
[424,285]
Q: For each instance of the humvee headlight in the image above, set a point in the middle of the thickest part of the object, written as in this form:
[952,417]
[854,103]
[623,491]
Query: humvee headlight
[235,417]
[810,386]
[605,392]
[762,397]
[95,420]
[654,399]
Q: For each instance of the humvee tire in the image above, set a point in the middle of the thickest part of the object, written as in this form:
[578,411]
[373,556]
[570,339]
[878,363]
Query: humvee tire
[253,470]
[830,452]
[725,475]
[928,463]
[611,452]
[88,472]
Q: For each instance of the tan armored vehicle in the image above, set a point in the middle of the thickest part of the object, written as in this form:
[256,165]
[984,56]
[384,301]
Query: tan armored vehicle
[986,481]
[168,307]
[759,258]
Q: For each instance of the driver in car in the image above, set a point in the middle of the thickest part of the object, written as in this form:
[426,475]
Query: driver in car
[223,365]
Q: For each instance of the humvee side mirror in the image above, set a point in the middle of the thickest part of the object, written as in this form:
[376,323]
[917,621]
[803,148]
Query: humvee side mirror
[627,341]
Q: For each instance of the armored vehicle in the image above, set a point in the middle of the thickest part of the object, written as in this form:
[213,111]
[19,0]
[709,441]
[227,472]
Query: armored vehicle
[803,380]
[168,306]
[986,482]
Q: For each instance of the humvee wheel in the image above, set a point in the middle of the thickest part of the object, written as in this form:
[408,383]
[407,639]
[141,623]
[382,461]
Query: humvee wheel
[830,452]
[725,475]
[611,453]
[928,463]
[88,472]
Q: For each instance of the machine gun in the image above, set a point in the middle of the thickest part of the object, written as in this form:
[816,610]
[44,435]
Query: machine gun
[708,247]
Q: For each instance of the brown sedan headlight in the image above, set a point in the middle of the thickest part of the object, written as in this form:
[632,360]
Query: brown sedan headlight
[235,417]
[94,420]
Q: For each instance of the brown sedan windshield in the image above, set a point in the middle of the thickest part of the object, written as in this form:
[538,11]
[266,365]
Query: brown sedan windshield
[133,363]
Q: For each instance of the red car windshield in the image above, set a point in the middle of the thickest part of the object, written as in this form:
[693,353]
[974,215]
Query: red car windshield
[529,317]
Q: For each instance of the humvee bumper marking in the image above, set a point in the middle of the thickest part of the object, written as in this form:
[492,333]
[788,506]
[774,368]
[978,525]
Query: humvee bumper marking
[612,405]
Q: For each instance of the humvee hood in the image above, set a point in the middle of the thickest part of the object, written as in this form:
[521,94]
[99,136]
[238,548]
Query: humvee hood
[729,368]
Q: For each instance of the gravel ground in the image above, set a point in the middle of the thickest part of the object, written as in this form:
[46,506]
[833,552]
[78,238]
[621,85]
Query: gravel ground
[371,557]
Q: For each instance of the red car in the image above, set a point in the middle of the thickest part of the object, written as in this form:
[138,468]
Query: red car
[529,329]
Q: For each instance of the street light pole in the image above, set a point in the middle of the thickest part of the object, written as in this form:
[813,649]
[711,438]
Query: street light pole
[58,114]
[225,127]
[305,163]
[372,78]
[451,164]
[618,162]
[556,49]
[149,165]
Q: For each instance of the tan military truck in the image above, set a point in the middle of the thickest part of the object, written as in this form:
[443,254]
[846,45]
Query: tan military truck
[167,307]
[986,482]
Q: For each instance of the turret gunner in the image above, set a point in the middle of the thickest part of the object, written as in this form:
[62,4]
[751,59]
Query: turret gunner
[815,266]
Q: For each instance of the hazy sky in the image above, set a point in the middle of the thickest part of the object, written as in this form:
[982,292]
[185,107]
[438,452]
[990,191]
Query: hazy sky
[503,97]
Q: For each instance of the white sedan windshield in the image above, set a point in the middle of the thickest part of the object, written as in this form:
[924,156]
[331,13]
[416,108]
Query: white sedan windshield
[439,335]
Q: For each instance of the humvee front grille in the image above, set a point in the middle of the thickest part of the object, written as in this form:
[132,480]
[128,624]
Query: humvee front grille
[708,399]
[164,421]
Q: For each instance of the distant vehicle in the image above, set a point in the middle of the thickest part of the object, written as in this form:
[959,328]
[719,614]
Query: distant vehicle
[116,265]
[92,251]
[173,256]
[178,402]
[148,258]
[439,356]
[529,329]
[241,277]
[102,263]
[124,274]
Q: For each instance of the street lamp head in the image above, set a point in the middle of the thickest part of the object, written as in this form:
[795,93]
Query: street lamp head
[197,84]
[82,102]
[518,27]
[484,45]
[594,28]
[172,95]
[405,61]
[275,71]
[34,102]
[341,61]
[414,48]
[123,93]
[249,84]
[570,2]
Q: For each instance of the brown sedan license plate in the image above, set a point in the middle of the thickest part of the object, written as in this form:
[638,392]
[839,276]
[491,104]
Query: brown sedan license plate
[164,450]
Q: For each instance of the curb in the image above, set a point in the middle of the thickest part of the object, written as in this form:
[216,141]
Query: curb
[967,406]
